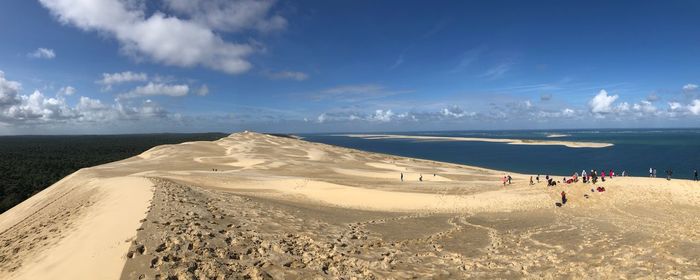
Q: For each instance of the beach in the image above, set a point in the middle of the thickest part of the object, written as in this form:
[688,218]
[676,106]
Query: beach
[260,206]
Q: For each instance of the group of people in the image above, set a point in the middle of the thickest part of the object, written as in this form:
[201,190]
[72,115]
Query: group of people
[587,177]
[669,173]
[550,180]
[507,179]
[592,176]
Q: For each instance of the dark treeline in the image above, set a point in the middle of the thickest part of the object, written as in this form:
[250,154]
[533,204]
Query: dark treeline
[29,164]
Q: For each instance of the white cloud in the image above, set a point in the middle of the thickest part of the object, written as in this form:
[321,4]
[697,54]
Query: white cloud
[228,15]
[674,106]
[602,103]
[159,37]
[567,112]
[37,109]
[454,112]
[645,107]
[152,89]
[93,110]
[203,90]
[381,116]
[66,91]
[497,71]
[9,91]
[288,75]
[623,107]
[388,115]
[322,118]
[690,87]
[694,107]
[109,79]
[42,53]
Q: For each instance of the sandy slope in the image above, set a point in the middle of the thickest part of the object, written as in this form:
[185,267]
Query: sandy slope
[260,206]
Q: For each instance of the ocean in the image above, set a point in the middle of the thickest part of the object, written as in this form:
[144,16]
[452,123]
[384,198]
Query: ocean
[634,150]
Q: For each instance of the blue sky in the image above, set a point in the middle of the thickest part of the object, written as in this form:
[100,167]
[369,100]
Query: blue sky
[111,66]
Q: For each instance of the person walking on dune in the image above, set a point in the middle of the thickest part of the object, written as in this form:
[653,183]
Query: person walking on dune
[401,176]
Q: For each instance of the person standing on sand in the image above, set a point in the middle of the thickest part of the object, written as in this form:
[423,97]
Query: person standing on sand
[538,178]
[401,176]
[695,174]
[505,179]
[531,182]
[654,172]
[651,172]
[669,172]
[420,178]
[563,198]
[594,177]
[509,179]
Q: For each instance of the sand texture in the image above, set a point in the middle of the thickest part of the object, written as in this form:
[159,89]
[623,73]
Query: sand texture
[254,206]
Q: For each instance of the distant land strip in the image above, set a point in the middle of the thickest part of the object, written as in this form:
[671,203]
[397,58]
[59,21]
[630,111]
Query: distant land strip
[570,144]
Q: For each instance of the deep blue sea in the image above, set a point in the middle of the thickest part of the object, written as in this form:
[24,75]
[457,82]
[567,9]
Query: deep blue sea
[634,150]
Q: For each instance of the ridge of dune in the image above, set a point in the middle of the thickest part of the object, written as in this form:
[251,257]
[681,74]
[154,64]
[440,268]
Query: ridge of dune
[256,205]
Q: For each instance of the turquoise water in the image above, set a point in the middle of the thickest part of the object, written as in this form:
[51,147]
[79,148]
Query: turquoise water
[634,150]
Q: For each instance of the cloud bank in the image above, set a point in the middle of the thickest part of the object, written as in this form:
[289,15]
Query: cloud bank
[18,109]
[169,39]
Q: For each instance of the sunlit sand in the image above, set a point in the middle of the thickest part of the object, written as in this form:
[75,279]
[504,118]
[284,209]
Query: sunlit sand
[258,206]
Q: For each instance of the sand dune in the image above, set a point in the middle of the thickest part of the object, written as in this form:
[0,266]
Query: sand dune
[570,144]
[259,206]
